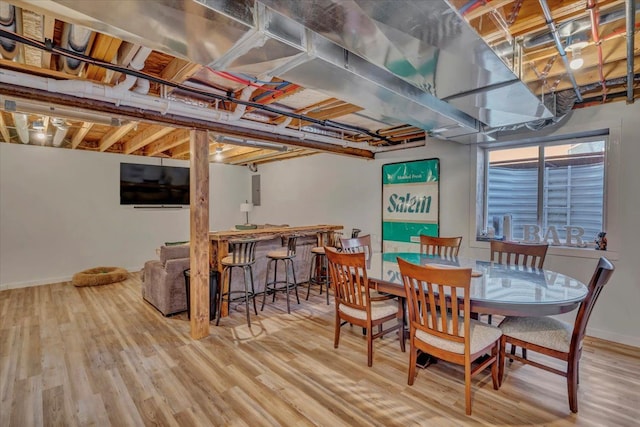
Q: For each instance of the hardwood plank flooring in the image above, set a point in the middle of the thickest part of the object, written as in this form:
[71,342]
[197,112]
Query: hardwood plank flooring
[102,356]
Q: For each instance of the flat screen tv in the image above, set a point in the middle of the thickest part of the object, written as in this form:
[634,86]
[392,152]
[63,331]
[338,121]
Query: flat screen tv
[153,185]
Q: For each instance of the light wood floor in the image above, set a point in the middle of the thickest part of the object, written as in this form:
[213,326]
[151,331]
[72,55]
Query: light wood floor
[102,356]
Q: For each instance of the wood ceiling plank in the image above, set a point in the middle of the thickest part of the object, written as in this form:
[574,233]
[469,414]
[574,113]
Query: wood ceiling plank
[4,131]
[318,105]
[104,48]
[30,69]
[78,137]
[146,137]
[179,70]
[329,113]
[175,138]
[115,134]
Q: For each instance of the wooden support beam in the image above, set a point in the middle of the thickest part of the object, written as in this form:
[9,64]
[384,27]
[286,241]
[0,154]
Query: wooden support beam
[114,135]
[80,134]
[3,129]
[199,234]
[145,137]
[177,121]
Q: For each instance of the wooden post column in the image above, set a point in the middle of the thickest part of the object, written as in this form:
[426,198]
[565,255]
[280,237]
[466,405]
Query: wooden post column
[199,234]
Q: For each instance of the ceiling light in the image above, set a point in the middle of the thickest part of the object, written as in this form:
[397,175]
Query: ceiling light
[576,59]
[575,44]
[218,155]
[40,135]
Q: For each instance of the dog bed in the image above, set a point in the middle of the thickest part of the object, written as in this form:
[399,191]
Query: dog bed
[99,276]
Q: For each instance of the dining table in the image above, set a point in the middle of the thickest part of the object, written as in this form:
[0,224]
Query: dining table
[507,290]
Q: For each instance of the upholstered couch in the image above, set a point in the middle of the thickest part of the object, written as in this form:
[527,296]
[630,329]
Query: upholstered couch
[163,280]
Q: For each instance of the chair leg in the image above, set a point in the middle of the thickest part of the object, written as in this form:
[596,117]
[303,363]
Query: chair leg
[286,283]
[220,295]
[312,266]
[327,281]
[467,388]
[502,360]
[572,385]
[495,353]
[253,292]
[413,358]
[370,345]
[295,281]
[266,285]
[275,277]
[246,295]
[336,335]
[401,334]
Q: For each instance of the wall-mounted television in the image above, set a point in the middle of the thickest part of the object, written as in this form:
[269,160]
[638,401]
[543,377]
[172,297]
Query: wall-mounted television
[153,185]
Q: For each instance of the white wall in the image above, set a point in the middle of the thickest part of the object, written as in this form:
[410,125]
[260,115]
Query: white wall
[60,213]
[347,191]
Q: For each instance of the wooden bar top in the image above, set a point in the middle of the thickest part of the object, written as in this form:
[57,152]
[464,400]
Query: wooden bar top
[263,232]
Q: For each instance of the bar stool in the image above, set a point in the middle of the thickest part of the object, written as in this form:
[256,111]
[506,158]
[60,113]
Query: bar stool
[319,268]
[286,256]
[242,254]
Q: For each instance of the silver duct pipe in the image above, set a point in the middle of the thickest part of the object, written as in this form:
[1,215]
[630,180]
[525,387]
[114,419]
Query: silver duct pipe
[631,25]
[22,127]
[61,131]
[563,54]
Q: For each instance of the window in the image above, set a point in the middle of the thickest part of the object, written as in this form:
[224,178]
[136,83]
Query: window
[542,190]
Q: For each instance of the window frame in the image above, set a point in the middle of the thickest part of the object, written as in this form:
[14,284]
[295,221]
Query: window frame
[610,130]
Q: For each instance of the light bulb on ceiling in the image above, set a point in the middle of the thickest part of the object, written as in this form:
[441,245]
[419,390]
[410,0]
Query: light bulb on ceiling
[576,59]
[218,156]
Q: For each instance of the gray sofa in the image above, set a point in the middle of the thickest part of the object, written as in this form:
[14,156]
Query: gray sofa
[163,280]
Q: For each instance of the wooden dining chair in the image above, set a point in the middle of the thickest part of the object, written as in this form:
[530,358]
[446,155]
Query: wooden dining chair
[512,253]
[358,244]
[441,246]
[355,302]
[453,337]
[555,338]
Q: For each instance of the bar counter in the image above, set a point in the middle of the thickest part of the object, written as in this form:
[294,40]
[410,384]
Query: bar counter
[310,236]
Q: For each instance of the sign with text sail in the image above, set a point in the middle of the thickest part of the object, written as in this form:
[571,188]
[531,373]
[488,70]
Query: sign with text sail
[410,204]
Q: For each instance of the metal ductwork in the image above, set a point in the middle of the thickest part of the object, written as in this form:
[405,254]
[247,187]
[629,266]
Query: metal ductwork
[414,62]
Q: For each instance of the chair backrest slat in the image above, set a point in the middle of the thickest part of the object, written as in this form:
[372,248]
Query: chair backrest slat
[512,253]
[431,292]
[600,277]
[442,246]
[348,278]
[358,244]
[243,251]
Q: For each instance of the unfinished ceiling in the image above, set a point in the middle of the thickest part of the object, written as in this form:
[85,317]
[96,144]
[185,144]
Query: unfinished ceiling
[276,79]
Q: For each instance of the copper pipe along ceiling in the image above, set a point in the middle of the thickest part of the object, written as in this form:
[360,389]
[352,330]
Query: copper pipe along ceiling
[592,5]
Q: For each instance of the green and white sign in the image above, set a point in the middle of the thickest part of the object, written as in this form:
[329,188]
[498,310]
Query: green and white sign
[410,204]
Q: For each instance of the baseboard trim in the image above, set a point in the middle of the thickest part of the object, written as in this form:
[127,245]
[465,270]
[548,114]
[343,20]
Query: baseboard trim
[624,342]
[48,281]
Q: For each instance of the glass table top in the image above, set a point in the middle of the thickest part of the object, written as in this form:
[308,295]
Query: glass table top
[495,283]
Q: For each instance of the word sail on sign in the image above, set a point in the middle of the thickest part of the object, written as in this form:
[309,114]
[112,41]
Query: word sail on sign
[410,204]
